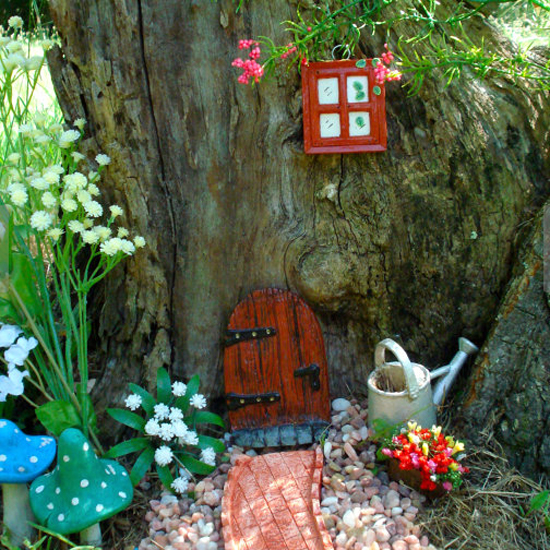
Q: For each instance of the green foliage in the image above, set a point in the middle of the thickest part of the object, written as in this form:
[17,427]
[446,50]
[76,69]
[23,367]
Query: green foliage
[50,541]
[541,503]
[170,440]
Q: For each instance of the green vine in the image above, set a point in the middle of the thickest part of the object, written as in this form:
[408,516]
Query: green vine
[431,36]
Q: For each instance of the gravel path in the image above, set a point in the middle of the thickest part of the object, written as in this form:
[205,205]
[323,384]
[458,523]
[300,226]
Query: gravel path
[362,509]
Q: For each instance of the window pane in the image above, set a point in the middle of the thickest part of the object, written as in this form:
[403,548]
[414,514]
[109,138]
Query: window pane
[357,89]
[327,89]
[359,123]
[329,125]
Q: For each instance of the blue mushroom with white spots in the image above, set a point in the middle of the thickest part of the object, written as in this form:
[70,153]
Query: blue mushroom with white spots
[22,459]
[81,491]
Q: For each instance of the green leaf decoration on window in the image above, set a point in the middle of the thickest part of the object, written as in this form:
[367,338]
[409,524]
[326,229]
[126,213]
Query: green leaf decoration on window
[360,121]
[361,64]
[375,61]
[377,90]
[358,86]
[359,96]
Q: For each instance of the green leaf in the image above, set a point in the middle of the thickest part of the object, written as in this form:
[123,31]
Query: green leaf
[375,61]
[142,465]
[148,402]
[164,386]
[361,64]
[206,417]
[127,447]
[358,86]
[207,441]
[196,466]
[360,121]
[376,90]
[165,476]
[57,416]
[127,418]
[359,96]
[538,501]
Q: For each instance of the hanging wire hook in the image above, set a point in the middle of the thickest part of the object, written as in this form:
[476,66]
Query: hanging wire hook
[346,52]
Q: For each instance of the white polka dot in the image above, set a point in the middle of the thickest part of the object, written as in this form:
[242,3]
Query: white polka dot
[85,447]
[3,458]
[84,483]
[28,439]
[33,459]
[57,490]
[124,473]
[103,485]
[2,424]
[39,489]
[75,501]
[107,472]
[122,494]
[60,517]
[113,471]
[16,431]
[66,458]
[20,469]
[99,507]
[50,506]
[1,469]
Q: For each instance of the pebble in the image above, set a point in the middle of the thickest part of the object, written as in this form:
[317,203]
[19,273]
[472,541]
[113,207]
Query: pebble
[361,510]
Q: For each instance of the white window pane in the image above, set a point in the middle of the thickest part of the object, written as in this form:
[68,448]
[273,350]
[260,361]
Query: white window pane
[359,123]
[330,125]
[357,89]
[327,89]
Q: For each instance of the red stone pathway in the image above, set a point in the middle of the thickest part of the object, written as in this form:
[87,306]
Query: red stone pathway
[271,502]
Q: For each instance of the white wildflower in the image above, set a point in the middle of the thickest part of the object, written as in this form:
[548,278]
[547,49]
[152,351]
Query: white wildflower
[208,456]
[179,427]
[162,411]
[127,247]
[115,211]
[15,22]
[14,158]
[68,137]
[92,176]
[8,335]
[111,247]
[55,233]
[103,160]
[139,241]
[51,177]
[122,232]
[69,205]
[25,129]
[93,209]
[48,200]
[74,182]
[12,384]
[41,220]
[198,401]
[103,232]
[58,169]
[17,353]
[175,414]
[4,41]
[152,427]
[180,485]
[90,237]
[19,197]
[46,44]
[83,196]
[40,183]
[79,123]
[77,157]
[191,438]
[33,63]
[76,226]
[165,432]
[133,401]
[15,186]
[14,46]
[12,61]
[163,455]
[93,189]
[179,389]
[88,223]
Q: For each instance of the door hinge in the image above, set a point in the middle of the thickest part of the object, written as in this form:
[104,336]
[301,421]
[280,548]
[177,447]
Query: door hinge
[237,400]
[233,337]
[312,372]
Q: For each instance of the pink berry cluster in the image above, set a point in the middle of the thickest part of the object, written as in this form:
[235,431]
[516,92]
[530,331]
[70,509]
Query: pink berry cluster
[382,72]
[251,68]
[290,49]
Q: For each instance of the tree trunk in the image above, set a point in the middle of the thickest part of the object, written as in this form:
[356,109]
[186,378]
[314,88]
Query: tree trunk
[415,244]
[508,393]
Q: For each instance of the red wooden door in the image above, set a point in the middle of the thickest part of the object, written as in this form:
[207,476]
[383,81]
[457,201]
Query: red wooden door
[276,379]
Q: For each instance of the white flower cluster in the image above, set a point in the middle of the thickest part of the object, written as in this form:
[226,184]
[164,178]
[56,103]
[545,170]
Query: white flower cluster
[14,52]
[16,352]
[65,202]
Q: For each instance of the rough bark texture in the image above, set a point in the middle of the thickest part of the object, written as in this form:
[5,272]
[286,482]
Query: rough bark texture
[416,243]
[510,380]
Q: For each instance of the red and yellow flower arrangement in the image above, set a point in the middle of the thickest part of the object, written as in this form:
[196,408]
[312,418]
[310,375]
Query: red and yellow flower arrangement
[435,456]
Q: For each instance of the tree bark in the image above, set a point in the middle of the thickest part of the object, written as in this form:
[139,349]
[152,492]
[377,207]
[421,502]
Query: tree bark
[508,394]
[416,243]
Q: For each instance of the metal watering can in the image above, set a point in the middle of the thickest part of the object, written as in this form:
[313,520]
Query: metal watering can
[401,390]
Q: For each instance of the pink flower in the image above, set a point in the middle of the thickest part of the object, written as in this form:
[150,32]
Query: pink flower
[252,70]
[387,452]
[447,485]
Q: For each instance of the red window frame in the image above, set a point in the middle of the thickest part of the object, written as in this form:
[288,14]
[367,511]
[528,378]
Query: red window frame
[376,107]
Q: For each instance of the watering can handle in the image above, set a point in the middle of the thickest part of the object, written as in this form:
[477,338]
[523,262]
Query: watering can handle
[402,357]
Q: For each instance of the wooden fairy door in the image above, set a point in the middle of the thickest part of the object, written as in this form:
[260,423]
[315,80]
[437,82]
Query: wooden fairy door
[276,379]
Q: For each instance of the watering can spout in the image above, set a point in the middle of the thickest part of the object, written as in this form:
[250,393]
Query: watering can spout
[465,348]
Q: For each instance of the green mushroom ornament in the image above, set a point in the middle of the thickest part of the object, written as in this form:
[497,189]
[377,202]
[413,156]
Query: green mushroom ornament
[81,491]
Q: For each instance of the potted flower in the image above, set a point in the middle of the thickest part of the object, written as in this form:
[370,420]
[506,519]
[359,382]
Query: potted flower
[424,459]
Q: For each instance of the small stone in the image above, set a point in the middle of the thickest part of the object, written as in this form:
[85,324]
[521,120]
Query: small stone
[400,545]
[382,534]
[359,496]
[329,501]
[327,448]
[349,519]
[424,541]
[396,511]
[392,499]
[340,404]
[350,451]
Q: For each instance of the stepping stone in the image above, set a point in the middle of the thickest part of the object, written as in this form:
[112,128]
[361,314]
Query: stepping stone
[271,502]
